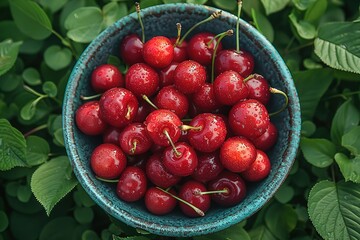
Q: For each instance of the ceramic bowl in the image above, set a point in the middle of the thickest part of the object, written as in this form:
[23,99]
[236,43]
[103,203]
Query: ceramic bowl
[161,20]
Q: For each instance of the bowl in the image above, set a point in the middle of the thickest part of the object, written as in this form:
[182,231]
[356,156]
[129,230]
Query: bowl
[161,20]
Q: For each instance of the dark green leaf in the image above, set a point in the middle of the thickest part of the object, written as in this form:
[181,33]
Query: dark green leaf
[337,45]
[305,29]
[59,137]
[316,11]
[172,1]
[38,150]
[281,220]
[260,233]
[12,147]
[311,64]
[334,209]
[263,25]
[284,194]
[24,193]
[49,88]
[272,6]
[28,111]
[31,76]
[113,11]
[50,182]
[196,1]
[308,128]
[318,152]
[9,82]
[4,221]
[51,229]
[54,6]
[89,235]
[31,19]
[350,168]
[84,215]
[8,54]
[235,232]
[57,58]
[226,5]
[303,4]
[351,141]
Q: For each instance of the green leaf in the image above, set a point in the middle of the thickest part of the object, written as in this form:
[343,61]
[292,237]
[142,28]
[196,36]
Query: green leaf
[350,168]
[303,4]
[351,141]
[113,11]
[89,235]
[272,6]
[307,128]
[311,86]
[334,209]
[263,24]
[38,150]
[54,6]
[49,88]
[235,232]
[130,238]
[51,229]
[24,193]
[8,53]
[84,215]
[31,76]
[317,151]
[281,220]
[50,182]
[12,147]
[84,24]
[226,5]
[4,221]
[57,58]
[284,194]
[196,1]
[337,45]
[31,19]
[346,117]
[305,29]
[316,11]
[28,111]
[260,233]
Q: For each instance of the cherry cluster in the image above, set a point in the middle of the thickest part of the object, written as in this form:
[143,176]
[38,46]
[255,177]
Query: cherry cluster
[186,125]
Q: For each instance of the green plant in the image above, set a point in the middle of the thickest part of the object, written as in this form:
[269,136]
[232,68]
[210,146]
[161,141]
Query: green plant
[40,42]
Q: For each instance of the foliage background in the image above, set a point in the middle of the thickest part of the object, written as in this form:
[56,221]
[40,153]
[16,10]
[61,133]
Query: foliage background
[39,43]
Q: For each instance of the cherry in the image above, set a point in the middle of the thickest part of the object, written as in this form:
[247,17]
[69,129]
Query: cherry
[180,51]
[268,139]
[207,132]
[139,160]
[88,118]
[158,174]
[204,99]
[158,202]
[111,135]
[118,106]
[209,166]
[166,75]
[258,88]
[134,139]
[237,154]
[233,184]
[172,99]
[229,88]
[259,169]
[189,76]
[132,184]
[141,79]
[201,46]
[180,159]
[158,52]
[107,161]
[106,76]
[241,62]
[131,48]
[249,118]
[190,192]
[163,127]
[143,110]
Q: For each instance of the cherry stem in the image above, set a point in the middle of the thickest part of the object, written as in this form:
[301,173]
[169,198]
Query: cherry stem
[239,2]
[107,180]
[85,98]
[188,127]
[178,26]
[137,8]
[129,109]
[212,16]
[133,149]
[177,153]
[149,101]
[220,37]
[250,77]
[225,190]
[277,91]
[197,210]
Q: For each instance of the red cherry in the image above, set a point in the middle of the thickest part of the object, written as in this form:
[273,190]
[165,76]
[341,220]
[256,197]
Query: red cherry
[258,88]
[88,118]
[143,110]
[180,51]
[172,99]
[141,79]
[259,169]
[166,75]
[205,100]
[131,48]
[209,166]
[249,118]
[132,184]
[189,76]
[237,154]
[107,161]
[158,52]
[268,139]
[106,76]
[158,202]
[201,47]
[241,62]
[111,135]
[233,183]
[118,107]
[134,139]
[138,160]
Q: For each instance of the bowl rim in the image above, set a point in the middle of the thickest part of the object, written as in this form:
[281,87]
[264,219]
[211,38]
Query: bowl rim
[176,230]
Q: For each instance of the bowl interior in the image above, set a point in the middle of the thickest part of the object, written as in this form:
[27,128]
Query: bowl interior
[161,20]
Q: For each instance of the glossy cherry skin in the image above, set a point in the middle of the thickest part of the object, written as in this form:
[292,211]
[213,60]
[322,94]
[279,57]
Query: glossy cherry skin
[233,183]
[134,139]
[166,75]
[118,107]
[199,49]
[158,202]
[210,132]
[249,118]
[172,99]
[237,154]
[132,184]
[111,135]
[208,168]
[268,139]
[205,100]
[159,121]
[158,174]
[144,109]
[190,192]
[183,164]
[259,169]
[180,51]
[88,119]
[141,79]
[107,161]
[241,62]
[189,76]
[131,48]
[229,88]
[258,88]
[138,160]
[158,52]
[106,76]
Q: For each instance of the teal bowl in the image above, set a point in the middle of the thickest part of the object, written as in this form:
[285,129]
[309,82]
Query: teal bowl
[161,20]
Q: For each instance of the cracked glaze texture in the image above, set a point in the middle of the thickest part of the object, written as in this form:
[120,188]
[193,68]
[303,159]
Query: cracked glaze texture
[161,20]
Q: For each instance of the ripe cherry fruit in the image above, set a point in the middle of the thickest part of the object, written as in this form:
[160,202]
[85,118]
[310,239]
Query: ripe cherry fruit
[132,184]
[131,48]
[141,79]
[134,139]
[259,169]
[158,52]
[172,99]
[189,76]
[208,168]
[158,202]
[88,118]
[106,76]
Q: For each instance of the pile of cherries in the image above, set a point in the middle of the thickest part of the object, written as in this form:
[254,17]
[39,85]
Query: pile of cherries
[186,125]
